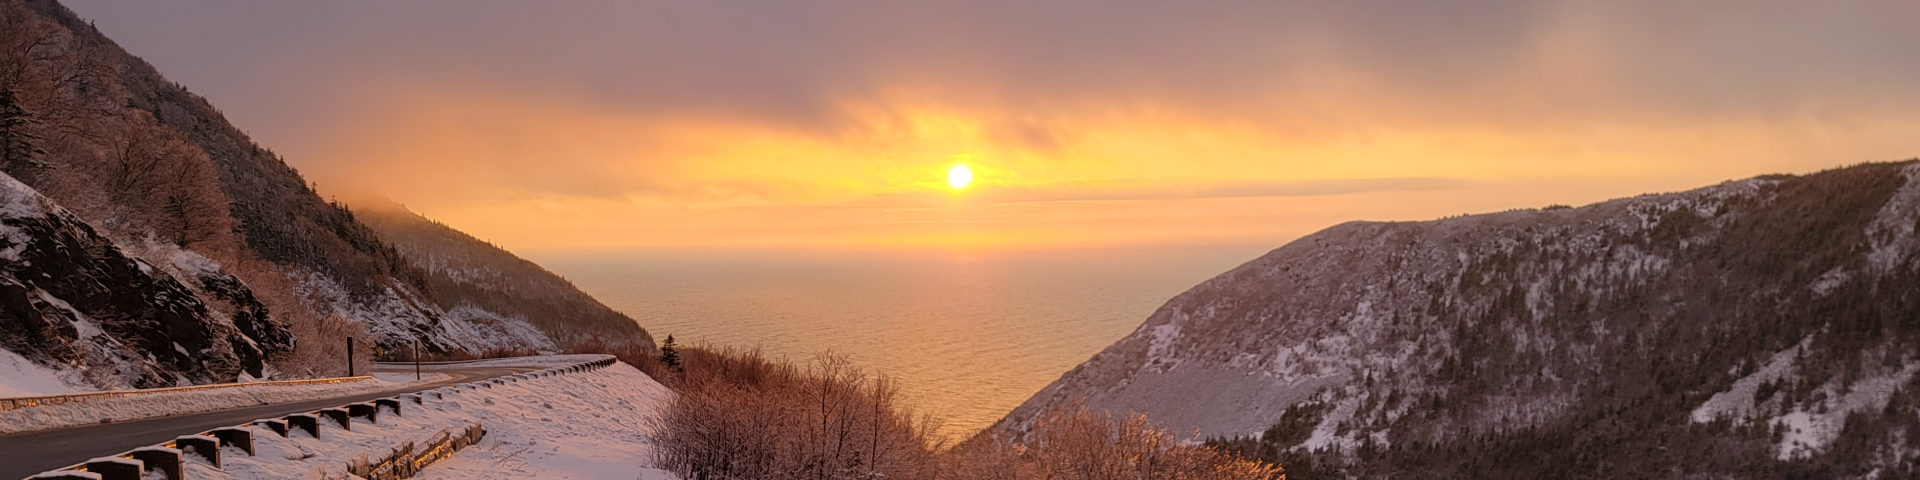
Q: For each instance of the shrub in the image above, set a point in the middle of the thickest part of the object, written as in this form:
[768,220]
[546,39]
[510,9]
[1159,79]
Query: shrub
[1077,443]
[741,415]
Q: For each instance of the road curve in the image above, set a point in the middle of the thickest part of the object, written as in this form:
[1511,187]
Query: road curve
[27,453]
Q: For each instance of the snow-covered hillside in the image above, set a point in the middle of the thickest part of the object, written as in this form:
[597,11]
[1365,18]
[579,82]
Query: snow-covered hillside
[489,294]
[1772,318]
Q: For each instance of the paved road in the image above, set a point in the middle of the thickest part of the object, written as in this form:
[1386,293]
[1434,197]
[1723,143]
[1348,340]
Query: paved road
[27,453]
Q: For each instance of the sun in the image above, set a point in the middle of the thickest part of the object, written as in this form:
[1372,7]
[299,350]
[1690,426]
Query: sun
[959,176]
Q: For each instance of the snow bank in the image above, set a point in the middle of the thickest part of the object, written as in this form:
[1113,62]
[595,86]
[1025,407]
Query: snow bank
[179,402]
[569,426]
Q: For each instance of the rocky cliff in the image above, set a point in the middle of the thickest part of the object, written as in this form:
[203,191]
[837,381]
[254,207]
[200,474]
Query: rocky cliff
[1759,328]
[73,300]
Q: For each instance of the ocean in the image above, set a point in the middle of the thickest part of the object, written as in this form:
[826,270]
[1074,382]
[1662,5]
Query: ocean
[969,336]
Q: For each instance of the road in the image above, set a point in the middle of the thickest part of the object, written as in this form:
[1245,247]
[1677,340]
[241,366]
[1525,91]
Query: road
[28,453]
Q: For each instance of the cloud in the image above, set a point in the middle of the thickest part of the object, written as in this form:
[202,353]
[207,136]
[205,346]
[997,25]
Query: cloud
[457,104]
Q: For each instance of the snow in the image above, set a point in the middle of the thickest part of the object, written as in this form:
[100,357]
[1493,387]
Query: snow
[1809,431]
[20,377]
[1893,229]
[396,314]
[1160,345]
[151,404]
[1806,427]
[1326,433]
[472,325]
[17,200]
[1738,401]
[585,425]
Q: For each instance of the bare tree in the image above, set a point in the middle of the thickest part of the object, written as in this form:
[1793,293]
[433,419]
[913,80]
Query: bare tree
[166,183]
[66,82]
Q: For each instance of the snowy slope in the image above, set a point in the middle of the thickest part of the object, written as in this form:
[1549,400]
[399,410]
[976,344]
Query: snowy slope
[20,377]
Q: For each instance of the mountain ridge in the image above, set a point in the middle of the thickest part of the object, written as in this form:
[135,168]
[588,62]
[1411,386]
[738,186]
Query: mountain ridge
[1370,349]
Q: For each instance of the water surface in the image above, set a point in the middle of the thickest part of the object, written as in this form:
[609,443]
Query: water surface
[970,336]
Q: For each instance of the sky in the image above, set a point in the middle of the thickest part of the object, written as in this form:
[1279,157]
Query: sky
[831,124]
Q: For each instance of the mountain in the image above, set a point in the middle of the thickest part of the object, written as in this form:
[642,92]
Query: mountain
[1763,328]
[277,214]
[484,285]
[159,178]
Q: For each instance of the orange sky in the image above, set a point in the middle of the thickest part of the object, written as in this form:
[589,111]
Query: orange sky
[831,125]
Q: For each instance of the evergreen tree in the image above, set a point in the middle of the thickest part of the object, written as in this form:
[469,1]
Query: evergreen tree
[17,147]
[668,356]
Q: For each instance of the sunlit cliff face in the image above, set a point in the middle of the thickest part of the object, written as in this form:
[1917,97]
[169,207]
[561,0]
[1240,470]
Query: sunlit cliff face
[838,124]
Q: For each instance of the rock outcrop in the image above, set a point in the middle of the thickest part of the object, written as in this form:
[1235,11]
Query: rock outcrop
[73,300]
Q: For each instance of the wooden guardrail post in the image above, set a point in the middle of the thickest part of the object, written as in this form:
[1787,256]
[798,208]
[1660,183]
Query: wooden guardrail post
[305,421]
[242,438]
[162,459]
[367,410]
[337,415]
[393,403]
[206,447]
[116,468]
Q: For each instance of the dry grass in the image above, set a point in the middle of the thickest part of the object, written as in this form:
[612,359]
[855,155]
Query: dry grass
[319,338]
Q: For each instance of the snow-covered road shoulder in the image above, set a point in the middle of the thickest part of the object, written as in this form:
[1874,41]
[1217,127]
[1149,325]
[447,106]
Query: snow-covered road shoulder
[579,426]
[575,425]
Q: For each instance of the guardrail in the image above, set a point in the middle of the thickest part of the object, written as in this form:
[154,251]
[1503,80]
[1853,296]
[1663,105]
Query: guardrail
[23,402]
[168,459]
